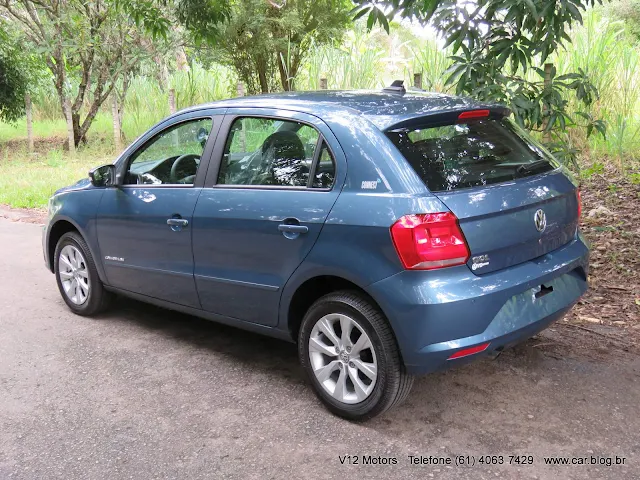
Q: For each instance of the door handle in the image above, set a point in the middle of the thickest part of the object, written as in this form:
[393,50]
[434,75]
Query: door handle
[177,222]
[293,228]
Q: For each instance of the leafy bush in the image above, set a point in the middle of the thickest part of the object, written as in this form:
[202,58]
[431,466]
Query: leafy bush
[13,81]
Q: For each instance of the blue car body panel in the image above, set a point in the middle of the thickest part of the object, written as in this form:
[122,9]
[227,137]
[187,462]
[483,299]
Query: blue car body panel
[232,264]
[242,261]
[76,205]
[497,220]
[434,315]
[139,252]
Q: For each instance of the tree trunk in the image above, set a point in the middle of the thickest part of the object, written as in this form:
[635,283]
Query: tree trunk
[417,80]
[27,106]
[284,78]
[172,101]
[77,129]
[117,132]
[182,64]
[548,67]
[121,98]
[293,69]
[163,72]
[262,76]
[71,130]
[80,130]
[288,72]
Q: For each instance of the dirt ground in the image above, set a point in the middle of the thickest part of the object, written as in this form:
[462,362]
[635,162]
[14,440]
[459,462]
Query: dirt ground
[146,393]
[611,222]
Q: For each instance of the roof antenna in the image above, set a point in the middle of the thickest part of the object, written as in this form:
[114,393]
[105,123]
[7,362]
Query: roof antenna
[396,87]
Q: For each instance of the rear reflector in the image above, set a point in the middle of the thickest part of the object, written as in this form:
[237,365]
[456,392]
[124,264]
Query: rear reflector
[428,241]
[471,114]
[465,352]
[579,198]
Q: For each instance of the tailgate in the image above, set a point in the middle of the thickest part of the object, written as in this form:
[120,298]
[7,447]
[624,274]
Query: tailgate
[511,198]
[500,225]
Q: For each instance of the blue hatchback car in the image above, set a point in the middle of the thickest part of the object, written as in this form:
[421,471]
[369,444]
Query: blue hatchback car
[388,234]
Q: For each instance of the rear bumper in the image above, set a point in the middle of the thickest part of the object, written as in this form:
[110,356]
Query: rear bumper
[435,357]
[437,313]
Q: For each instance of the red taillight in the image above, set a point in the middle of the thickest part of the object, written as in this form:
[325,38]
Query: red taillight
[471,114]
[469,351]
[428,241]
[579,199]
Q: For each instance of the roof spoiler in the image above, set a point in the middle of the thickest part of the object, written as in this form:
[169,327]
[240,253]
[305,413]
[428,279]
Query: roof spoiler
[396,87]
[450,116]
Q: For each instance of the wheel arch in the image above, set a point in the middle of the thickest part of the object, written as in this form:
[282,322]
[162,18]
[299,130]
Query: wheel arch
[311,290]
[57,229]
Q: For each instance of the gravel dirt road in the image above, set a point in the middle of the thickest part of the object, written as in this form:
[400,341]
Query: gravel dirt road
[145,393]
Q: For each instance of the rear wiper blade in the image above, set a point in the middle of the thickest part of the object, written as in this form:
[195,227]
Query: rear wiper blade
[532,167]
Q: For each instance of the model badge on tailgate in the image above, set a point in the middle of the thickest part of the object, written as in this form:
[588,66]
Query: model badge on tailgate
[480,261]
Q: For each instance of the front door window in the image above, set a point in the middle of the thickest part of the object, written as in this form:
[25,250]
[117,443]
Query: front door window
[172,157]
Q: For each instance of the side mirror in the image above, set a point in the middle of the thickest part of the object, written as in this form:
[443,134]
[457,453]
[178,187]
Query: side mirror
[104,176]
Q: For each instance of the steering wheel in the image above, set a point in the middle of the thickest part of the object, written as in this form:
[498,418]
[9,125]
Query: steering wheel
[178,161]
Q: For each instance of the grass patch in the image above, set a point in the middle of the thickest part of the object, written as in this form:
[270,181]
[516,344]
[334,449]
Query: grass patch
[41,129]
[29,182]
[47,128]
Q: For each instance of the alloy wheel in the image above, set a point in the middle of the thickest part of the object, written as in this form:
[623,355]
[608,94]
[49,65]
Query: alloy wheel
[342,358]
[74,274]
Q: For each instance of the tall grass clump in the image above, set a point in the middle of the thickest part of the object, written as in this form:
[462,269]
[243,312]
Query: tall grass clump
[147,101]
[431,60]
[197,85]
[601,49]
[356,64]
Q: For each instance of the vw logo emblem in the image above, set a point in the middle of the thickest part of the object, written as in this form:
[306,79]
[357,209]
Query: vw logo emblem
[344,356]
[540,220]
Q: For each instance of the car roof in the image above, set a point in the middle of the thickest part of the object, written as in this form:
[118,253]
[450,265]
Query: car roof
[385,109]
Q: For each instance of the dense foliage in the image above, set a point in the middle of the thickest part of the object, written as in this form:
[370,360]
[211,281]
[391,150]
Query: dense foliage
[265,40]
[629,12]
[190,48]
[92,41]
[13,81]
[495,43]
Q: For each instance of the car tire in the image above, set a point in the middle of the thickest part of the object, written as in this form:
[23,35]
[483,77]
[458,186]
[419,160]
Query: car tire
[355,396]
[77,276]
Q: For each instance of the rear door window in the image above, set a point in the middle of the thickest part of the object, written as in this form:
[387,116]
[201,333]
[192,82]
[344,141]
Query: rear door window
[325,171]
[481,152]
[274,152]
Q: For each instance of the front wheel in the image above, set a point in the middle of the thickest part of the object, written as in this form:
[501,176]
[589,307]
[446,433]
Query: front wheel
[77,276]
[349,352]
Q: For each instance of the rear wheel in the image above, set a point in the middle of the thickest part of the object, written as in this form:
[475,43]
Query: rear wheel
[77,276]
[348,350]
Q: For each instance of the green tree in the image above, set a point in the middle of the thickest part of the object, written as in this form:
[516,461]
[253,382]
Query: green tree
[266,41]
[496,43]
[87,46]
[13,80]
[629,12]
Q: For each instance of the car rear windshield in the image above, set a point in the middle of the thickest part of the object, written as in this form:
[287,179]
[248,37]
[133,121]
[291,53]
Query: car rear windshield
[481,152]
